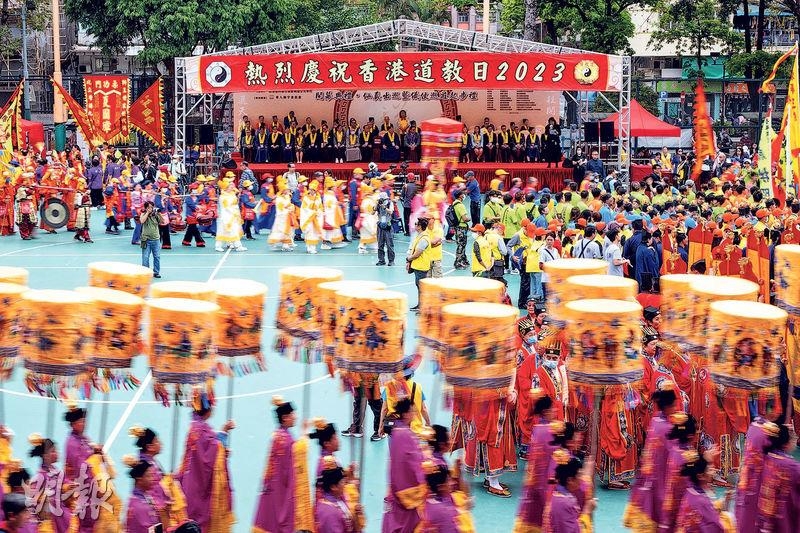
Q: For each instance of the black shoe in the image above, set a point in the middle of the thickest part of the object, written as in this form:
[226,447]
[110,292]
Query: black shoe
[346,240]
[352,432]
[376,437]
[391,263]
[156,275]
[380,264]
[298,239]
[415,308]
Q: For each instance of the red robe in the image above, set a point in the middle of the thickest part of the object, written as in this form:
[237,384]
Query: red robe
[526,373]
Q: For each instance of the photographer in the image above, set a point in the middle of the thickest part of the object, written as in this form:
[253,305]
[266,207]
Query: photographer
[386,213]
[151,238]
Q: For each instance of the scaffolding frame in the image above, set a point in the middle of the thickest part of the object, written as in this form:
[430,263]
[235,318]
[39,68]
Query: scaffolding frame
[422,33]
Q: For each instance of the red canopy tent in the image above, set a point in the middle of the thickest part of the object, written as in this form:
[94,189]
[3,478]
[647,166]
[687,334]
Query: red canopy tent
[644,124]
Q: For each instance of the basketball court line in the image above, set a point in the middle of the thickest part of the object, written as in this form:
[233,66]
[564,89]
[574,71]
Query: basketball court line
[49,245]
[146,381]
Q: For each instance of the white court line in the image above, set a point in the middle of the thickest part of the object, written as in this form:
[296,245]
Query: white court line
[146,381]
[39,247]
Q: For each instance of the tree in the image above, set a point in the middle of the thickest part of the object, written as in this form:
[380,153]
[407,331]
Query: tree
[791,6]
[174,28]
[693,26]
[641,92]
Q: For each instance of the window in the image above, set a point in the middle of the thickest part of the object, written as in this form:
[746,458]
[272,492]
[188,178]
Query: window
[463,17]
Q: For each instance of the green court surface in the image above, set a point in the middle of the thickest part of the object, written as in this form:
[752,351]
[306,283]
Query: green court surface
[59,262]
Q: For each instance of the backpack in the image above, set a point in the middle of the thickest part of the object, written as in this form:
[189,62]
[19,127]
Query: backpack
[450,216]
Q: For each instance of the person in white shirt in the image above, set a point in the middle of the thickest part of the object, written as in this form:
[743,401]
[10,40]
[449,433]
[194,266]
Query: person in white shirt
[613,254]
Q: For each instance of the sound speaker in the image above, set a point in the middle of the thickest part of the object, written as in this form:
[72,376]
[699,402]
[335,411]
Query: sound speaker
[191,135]
[206,134]
[590,132]
[606,132]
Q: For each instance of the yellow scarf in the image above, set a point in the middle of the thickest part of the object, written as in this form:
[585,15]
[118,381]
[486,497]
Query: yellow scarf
[303,512]
[313,138]
[339,136]
[391,136]
[275,137]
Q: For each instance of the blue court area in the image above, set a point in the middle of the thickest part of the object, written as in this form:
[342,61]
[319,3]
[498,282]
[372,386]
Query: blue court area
[59,262]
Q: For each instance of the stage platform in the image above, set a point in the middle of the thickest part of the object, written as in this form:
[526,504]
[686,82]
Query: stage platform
[552,178]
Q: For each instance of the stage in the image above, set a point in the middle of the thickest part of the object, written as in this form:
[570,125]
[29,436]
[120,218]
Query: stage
[552,178]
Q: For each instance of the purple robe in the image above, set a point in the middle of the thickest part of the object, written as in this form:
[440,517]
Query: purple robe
[276,505]
[647,494]
[441,516]
[196,474]
[331,515]
[697,513]
[779,500]
[43,483]
[536,485]
[562,513]
[156,492]
[674,485]
[142,513]
[31,526]
[405,476]
[78,451]
[750,476]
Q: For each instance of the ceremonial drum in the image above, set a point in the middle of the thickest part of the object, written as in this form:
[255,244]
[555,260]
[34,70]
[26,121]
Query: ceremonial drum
[745,343]
[117,334]
[713,289]
[370,331]
[478,347]
[435,293]
[602,287]
[182,339]
[190,290]
[297,320]
[557,292]
[605,340]
[10,324]
[327,312]
[13,275]
[57,332]
[241,304]
[125,277]
[787,297]
[677,306]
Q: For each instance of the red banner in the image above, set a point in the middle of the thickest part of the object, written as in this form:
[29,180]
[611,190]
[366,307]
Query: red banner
[108,102]
[81,117]
[402,71]
[703,132]
[147,113]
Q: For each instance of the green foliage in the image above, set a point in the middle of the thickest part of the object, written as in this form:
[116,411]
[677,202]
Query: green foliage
[512,15]
[641,92]
[695,25]
[174,28]
[759,62]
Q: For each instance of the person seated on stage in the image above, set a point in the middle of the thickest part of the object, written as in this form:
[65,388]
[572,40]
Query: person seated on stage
[338,144]
[288,145]
[519,144]
[490,144]
[275,145]
[412,142]
[275,125]
[466,146]
[368,133]
[505,143]
[262,145]
[477,145]
[386,124]
[298,141]
[534,146]
[311,145]
[390,150]
[326,143]
[247,140]
[288,120]
[308,125]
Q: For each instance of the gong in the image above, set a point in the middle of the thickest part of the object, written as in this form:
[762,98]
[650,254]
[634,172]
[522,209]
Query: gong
[55,213]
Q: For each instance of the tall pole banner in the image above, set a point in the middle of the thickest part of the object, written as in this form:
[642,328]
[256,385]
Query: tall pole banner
[108,101]
[9,116]
[147,113]
[703,133]
[765,154]
[83,120]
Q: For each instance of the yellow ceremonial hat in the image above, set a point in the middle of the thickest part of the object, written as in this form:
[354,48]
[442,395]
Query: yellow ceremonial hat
[375,183]
[247,183]
[329,182]
[223,183]
[358,170]
[172,179]
[314,185]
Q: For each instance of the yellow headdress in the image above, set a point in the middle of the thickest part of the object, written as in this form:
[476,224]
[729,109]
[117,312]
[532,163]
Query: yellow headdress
[329,463]
[136,432]
[429,467]
[130,460]
[690,456]
[679,418]
[771,429]
[278,400]
[561,456]
[319,422]
[35,439]
[558,427]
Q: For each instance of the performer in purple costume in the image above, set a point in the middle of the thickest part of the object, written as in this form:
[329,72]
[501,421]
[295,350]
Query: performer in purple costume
[679,451]
[18,479]
[54,511]
[439,514]
[407,488]
[750,474]
[275,512]
[779,500]
[17,515]
[562,513]
[643,513]
[698,512]
[143,515]
[331,512]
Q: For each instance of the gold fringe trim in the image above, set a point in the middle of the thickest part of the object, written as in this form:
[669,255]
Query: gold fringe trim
[635,519]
